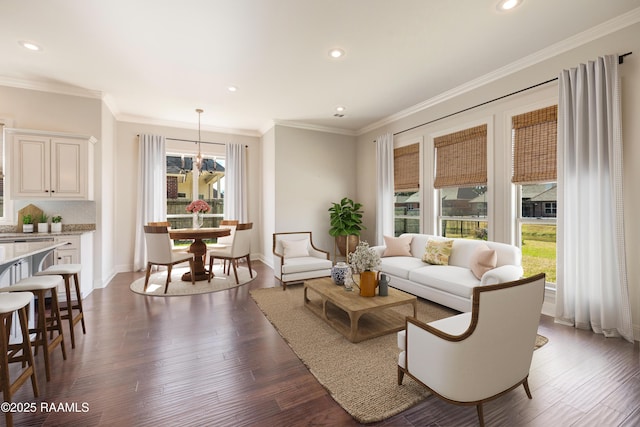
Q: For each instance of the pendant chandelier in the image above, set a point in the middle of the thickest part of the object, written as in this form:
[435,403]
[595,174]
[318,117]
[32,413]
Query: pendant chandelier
[199,159]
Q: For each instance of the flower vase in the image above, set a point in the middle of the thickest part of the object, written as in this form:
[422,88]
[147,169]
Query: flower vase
[199,219]
[368,283]
[339,272]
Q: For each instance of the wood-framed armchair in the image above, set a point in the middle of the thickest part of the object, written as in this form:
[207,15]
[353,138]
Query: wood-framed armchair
[295,258]
[475,357]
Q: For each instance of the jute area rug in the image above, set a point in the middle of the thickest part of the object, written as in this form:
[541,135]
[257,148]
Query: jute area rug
[177,287]
[362,377]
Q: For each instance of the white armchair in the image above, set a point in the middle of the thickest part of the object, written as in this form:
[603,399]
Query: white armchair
[475,357]
[296,259]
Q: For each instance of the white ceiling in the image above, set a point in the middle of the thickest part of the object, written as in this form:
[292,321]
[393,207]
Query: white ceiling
[157,61]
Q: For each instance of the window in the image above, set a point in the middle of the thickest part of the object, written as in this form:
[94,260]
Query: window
[534,172]
[461,181]
[182,189]
[406,181]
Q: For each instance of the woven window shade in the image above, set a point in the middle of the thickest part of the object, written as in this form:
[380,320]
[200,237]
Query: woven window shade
[406,167]
[461,158]
[535,136]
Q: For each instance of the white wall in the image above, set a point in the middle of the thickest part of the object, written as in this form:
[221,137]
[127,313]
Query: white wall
[104,268]
[312,170]
[498,113]
[268,198]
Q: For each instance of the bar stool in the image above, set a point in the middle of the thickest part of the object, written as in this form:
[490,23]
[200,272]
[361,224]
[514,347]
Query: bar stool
[46,325]
[10,303]
[67,271]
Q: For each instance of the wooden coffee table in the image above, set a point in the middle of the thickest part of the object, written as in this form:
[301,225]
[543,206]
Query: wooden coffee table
[357,318]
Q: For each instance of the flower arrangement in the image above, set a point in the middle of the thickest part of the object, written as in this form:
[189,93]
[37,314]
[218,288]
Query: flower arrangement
[364,258]
[198,206]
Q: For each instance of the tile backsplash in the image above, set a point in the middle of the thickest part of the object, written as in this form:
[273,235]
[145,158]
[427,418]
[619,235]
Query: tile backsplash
[72,212]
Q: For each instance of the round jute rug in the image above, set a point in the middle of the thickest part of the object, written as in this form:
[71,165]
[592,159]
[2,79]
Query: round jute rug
[177,287]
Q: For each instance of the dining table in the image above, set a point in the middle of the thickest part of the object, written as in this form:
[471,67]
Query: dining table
[198,248]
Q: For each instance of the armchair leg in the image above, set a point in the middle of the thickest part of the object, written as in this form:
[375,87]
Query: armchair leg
[525,384]
[400,375]
[480,414]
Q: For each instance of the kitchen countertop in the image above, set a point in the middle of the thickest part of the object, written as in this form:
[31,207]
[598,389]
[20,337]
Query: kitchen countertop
[10,231]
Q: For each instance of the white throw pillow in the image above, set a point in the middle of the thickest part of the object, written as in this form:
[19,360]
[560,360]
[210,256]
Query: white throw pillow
[295,248]
[397,246]
[483,260]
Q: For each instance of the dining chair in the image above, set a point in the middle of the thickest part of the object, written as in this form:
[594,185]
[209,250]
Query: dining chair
[168,225]
[240,248]
[159,252]
[225,241]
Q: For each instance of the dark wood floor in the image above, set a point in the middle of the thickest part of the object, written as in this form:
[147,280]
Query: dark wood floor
[214,360]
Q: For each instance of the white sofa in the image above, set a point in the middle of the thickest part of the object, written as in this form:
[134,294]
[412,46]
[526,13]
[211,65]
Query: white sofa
[450,285]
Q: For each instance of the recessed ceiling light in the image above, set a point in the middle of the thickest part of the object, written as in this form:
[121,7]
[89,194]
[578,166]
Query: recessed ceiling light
[29,45]
[340,109]
[505,5]
[336,53]
[232,88]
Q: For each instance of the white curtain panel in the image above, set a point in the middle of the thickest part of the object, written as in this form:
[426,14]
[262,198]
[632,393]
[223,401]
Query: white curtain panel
[385,199]
[152,191]
[592,290]
[235,197]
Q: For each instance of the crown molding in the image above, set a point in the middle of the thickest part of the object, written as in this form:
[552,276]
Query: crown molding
[59,88]
[604,29]
[182,125]
[317,128]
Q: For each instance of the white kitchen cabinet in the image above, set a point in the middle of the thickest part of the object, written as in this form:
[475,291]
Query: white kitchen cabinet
[51,165]
[73,253]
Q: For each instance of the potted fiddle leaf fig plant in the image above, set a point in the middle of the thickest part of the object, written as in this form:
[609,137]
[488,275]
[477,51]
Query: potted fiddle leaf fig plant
[27,224]
[56,224]
[346,224]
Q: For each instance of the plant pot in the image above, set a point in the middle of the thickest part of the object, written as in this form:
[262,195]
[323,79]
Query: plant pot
[368,283]
[43,227]
[56,227]
[27,228]
[341,242]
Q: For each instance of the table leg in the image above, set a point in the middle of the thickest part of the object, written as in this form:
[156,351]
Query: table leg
[199,249]
[354,318]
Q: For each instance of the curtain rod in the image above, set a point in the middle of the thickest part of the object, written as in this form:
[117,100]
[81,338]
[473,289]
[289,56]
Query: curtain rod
[195,142]
[620,61]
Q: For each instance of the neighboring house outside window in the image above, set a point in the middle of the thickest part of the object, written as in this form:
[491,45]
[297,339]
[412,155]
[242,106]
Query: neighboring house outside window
[534,174]
[461,182]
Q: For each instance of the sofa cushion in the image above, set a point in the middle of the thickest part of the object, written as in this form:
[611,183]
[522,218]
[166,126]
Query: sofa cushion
[483,260]
[447,278]
[400,266]
[463,250]
[298,264]
[295,248]
[397,246]
[437,252]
